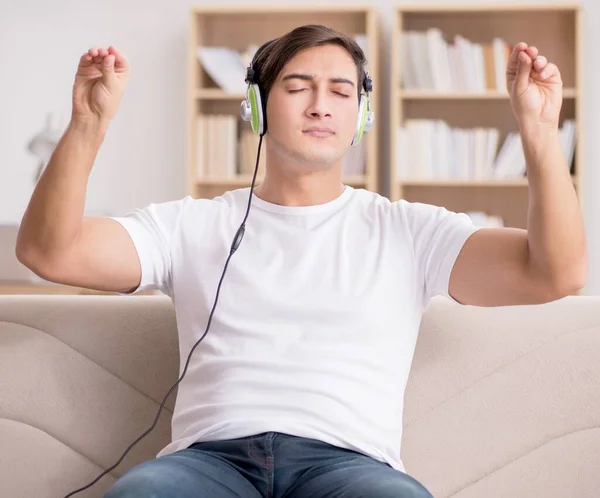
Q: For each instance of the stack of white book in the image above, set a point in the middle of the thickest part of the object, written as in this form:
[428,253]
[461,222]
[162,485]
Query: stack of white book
[510,161]
[432,150]
[429,62]
[216,146]
[224,149]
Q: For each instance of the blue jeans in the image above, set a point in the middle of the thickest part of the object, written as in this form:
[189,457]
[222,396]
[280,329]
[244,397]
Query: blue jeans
[266,465]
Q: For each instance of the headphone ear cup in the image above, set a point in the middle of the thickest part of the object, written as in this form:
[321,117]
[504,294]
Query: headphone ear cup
[256,106]
[361,121]
[253,109]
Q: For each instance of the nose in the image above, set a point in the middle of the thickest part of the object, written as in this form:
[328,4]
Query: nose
[319,105]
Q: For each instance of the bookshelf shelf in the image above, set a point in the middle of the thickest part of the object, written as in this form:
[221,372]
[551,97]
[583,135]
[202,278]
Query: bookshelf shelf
[510,182]
[222,149]
[568,93]
[294,10]
[450,111]
[493,8]
[217,94]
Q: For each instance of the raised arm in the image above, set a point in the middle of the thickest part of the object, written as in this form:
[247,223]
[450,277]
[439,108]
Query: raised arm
[55,240]
[548,260]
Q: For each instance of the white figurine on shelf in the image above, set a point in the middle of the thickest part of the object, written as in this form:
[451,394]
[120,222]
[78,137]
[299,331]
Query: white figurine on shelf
[42,145]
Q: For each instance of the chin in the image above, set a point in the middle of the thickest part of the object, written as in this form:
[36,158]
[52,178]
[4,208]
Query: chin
[318,157]
[308,154]
[321,152]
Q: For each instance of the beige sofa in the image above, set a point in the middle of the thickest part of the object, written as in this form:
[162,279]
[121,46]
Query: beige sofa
[501,402]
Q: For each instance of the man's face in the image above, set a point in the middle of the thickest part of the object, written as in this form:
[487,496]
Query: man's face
[312,108]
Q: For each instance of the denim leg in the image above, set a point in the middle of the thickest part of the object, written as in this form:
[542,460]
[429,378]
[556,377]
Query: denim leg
[309,468]
[188,473]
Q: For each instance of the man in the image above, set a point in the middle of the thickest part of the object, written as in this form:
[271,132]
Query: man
[297,388]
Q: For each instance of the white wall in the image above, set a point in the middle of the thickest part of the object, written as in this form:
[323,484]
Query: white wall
[143,157]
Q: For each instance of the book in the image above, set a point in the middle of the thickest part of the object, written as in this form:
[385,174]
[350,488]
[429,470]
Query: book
[430,62]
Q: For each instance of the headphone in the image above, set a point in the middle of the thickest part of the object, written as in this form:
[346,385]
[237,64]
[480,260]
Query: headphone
[254,107]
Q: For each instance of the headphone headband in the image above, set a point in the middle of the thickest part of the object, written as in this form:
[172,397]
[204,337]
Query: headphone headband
[252,76]
[249,75]
[368,82]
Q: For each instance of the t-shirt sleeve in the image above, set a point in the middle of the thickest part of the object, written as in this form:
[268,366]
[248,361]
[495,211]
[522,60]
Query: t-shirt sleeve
[438,236]
[152,230]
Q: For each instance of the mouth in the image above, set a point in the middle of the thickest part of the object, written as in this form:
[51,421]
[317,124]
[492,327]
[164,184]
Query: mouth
[319,132]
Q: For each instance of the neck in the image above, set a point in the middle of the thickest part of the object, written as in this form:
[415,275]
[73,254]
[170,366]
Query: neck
[289,187]
[306,190]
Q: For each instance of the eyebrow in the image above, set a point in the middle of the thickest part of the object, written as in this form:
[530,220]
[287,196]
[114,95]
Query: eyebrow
[308,77]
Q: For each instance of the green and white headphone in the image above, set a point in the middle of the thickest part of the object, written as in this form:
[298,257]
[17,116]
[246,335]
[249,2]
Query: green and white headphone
[254,107]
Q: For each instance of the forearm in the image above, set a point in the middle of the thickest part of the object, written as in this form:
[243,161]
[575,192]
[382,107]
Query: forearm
[55,212]
[555,227]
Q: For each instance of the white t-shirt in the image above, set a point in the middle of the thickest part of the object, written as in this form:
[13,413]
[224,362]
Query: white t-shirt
[318,313]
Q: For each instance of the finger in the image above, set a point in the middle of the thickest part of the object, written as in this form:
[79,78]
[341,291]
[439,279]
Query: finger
[539,63]
[121,61]
[102,52]
[513,59]
[550,73]
[108,61]
[523,72]
[95,54]
[533,52]
[85,59]
[108,70]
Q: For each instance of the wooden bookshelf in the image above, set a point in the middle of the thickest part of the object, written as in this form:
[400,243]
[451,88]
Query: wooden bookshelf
[555,29]
[237,28]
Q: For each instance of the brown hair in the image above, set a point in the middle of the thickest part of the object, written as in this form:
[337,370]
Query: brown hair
[270,60]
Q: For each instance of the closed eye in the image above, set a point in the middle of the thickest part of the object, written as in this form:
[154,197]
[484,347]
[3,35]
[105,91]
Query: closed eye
[298,90]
